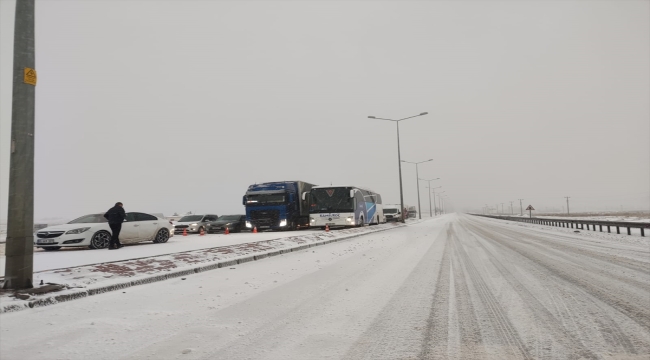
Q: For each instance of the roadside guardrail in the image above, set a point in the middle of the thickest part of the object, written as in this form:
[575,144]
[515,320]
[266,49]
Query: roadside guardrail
[559,222]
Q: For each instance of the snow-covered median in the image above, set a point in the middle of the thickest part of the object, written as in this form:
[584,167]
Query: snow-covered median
[86,280]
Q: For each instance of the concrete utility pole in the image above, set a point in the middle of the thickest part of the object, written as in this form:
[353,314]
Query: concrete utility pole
[521,206]
[430,189]
[417,183]
[399,159]
[567,205]
[19,264]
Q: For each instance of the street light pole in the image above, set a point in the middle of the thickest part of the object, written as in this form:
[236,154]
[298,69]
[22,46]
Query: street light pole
[417,176]
[434,197]
[399,159]
[521,206]
[19,265]
[440,201]
[567,205]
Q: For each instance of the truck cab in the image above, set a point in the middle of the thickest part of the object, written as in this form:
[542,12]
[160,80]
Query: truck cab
[277,205]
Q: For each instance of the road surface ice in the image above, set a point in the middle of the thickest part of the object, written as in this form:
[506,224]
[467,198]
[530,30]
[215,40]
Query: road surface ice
[455,287]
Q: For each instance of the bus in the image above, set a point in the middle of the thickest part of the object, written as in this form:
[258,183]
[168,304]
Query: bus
[344,206]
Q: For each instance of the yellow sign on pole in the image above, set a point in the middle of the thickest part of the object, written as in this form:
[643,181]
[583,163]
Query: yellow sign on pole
[30,76]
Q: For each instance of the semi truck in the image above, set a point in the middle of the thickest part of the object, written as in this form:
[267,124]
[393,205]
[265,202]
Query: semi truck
[277,205]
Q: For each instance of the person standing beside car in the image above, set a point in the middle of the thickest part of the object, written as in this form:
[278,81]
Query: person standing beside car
[115,217]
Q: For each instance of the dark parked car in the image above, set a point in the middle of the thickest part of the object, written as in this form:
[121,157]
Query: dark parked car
[234,223]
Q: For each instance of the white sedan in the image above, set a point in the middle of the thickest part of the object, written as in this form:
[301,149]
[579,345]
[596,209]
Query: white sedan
[93,231]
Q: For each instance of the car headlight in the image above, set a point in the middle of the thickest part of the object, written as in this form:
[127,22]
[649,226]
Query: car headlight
[350,219]
[311,219]
[193,224]
[283,222]
[78,231]
[248,224]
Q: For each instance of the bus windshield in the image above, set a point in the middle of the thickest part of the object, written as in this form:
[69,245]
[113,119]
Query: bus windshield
[331,200]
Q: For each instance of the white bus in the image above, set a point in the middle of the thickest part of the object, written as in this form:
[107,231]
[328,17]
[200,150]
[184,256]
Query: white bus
[344,206]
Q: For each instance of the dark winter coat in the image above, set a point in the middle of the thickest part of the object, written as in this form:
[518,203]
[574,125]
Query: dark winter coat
[115,215]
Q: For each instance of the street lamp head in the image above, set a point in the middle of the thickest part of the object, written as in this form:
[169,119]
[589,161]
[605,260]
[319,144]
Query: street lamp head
[371,117]
[424,113]
[430,160]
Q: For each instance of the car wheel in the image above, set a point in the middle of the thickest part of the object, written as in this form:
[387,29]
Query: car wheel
[51,248]
[100,240]
[202,229]
[162,236]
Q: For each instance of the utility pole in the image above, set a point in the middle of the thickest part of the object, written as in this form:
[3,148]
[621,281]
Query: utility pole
[512,212]
[567,205]
[502,211]
[521,206]
[19,264]
[430,189]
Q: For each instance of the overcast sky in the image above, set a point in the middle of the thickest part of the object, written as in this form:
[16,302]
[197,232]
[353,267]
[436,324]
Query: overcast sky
[176,106]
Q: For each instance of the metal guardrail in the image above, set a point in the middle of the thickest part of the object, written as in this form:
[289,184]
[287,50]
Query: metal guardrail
[559,222]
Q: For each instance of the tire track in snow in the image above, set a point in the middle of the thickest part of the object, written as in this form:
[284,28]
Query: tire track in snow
[563,277]
[542,315]
[395,332]
[436,333]
[512,343]
[582,274]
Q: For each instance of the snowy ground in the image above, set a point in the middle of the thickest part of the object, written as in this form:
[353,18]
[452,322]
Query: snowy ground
[97,278]
[454,287]
[76,256]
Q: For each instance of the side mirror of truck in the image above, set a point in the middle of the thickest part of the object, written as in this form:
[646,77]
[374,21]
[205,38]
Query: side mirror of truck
[304,196]
[351,193]
[243,200]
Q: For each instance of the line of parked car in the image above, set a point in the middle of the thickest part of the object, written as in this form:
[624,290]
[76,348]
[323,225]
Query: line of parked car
[210,223]
[93,230]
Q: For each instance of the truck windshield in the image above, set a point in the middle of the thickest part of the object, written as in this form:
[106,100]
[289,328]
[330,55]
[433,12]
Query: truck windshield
[390,211]
[331,200]
[265,199]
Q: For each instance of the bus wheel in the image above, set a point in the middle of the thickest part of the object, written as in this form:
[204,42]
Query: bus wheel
[361,222]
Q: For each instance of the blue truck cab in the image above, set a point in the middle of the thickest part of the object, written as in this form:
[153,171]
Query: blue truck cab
[277,205]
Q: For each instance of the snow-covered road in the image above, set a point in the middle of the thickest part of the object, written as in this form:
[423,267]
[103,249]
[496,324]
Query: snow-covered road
[453,287]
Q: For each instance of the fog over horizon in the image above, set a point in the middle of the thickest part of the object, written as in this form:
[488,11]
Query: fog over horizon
[177,106]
